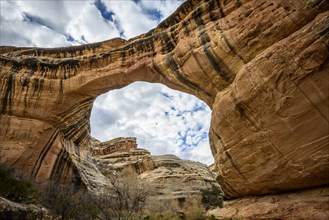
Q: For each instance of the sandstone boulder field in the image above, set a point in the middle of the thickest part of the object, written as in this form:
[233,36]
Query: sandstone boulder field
[261,65]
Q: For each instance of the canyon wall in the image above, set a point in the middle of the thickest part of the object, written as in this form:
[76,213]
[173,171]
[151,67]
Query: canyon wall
[261,65]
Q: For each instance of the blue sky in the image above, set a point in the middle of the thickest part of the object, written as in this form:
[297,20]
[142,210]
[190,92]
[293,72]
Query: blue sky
[163,120]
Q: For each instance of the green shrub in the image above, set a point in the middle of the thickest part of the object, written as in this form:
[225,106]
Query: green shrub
[15,189]
[212,198]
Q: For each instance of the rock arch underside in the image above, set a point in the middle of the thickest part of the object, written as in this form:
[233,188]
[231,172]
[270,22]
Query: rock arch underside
[261,65]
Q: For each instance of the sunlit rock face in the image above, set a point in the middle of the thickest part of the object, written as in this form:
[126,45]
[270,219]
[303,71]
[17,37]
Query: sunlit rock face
[262,66]
[170,177]
[305,204]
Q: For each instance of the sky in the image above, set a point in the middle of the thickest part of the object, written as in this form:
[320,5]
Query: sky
[164,121]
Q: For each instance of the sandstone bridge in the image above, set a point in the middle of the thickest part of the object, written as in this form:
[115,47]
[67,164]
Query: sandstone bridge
[261,65]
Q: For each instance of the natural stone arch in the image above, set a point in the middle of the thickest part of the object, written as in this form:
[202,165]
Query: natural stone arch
[256,63]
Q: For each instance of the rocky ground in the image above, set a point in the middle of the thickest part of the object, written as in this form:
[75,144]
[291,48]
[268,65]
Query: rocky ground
[306,204]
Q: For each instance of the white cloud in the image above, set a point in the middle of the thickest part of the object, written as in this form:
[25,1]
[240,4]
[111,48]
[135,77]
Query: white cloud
[53,13]
[166,7]
[90,25]
[18,31]
[131,18]
[164,121]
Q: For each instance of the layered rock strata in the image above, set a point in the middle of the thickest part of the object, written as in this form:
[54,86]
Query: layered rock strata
[174,178]
[116,145]
[261,65]
[121,154]
[171,177]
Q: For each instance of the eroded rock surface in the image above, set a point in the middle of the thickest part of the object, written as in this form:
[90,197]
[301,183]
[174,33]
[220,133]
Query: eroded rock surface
[121,154]
[305,204]
[261,65]
[169,177]
[174,178]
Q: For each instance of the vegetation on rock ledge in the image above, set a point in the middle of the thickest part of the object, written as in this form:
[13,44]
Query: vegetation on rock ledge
[16,189]
[123,199]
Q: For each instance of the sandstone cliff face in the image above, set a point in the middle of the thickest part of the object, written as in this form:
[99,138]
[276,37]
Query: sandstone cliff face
[171,177]
[174,178]
[261,65]
[121,154]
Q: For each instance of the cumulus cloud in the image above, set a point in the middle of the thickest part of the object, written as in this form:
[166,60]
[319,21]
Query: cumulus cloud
[19,28]
[164,121]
